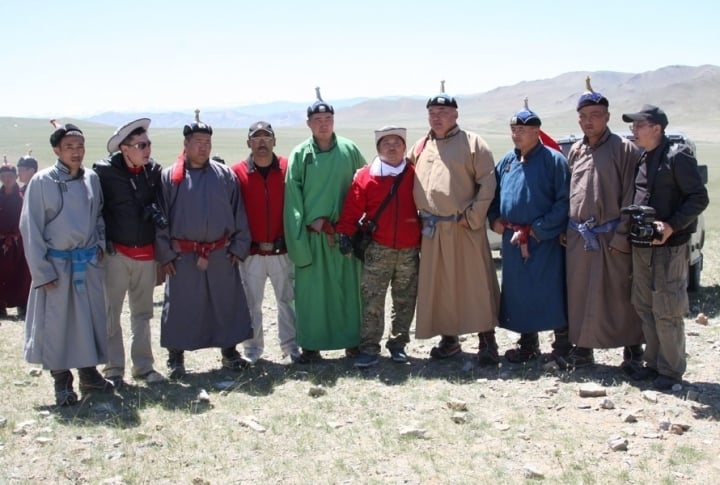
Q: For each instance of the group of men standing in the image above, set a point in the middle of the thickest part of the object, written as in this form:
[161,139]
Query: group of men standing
[218,233]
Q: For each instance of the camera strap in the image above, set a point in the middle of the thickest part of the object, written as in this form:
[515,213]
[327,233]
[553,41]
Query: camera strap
[389,196]
[652,166]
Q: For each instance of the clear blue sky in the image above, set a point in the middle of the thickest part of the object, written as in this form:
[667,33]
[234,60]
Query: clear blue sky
[88,56]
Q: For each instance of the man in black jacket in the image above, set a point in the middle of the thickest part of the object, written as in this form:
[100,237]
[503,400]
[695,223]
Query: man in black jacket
[130,180]
[668,181]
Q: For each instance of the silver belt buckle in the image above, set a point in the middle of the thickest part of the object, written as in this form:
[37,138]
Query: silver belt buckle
[266,246]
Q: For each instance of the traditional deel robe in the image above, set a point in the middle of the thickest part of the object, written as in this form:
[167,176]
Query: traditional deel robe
[327,284]
[14,274]
[458,290]
[203,308]
[533,193]
[600,314]
[65,326]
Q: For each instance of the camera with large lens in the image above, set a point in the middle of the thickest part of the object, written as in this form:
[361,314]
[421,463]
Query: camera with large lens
[155,214]
[642,225]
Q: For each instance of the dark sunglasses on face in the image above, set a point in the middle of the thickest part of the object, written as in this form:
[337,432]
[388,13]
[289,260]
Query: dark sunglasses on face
[141,145]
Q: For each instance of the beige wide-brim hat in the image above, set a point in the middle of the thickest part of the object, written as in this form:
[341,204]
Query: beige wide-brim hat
[390,130]
[124,131]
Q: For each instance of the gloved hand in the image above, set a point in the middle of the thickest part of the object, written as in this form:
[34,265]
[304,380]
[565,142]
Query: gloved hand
[345,245]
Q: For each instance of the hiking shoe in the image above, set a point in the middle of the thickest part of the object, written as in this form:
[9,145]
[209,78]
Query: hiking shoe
[117,381]
[644,374]
[664,383]
[352,352]
[397,354]
[308,357]
[176,364]
[92,380]
[232,360]
[64,393]
[152,377]
[364,360]
[522,354]
[580,357]
[447,347]
[487,349]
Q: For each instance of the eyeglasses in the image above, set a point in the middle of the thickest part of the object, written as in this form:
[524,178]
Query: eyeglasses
[141,145]
[637,125]
[266,139]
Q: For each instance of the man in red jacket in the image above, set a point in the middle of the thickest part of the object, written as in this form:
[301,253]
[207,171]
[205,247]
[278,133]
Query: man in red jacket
[392,256]
[262,185]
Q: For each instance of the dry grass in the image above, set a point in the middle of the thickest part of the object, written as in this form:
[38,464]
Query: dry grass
[517,417]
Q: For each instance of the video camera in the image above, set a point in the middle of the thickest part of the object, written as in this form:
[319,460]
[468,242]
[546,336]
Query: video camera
[153,213]
[642,227]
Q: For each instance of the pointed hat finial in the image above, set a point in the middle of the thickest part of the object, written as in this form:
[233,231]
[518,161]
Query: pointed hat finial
[55,123]
[588,86]
[525,103]
[317,93]
[197,115]
[442,86]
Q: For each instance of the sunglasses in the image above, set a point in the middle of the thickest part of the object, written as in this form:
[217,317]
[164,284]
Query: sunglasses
[141,145]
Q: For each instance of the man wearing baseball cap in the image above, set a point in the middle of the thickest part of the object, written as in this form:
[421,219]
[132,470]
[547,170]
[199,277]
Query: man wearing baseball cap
[262,185]
[64,238]
[381,193]
[669,182]
[130,181]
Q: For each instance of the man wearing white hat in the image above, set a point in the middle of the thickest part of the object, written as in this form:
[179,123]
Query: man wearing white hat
[130,180]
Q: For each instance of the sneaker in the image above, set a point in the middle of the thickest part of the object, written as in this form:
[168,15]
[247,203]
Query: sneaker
[522,354]
[664,383]
[176,364]
[232,360]
[488,349]
[64,393]
[447,347]
[152,377]
[580,357]
[92,380]
[308,357]
[364,360]
[397,354]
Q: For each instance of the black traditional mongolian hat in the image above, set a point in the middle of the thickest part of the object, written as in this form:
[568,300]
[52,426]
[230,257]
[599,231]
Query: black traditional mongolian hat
[319,106]
[61,131]
[197,127]
[28,161]
[525,117]
[590,97]
[442,99]
[6,167]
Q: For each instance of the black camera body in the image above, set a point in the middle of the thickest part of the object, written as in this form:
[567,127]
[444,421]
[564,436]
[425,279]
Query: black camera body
[642,226]
[153,213]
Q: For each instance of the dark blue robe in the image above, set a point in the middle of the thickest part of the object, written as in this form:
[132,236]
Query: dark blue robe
[536,193]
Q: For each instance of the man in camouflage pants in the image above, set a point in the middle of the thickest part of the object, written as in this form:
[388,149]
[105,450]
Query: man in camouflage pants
[381,192]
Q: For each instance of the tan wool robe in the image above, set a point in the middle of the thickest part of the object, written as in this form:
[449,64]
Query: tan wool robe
[600,314]
[458,291]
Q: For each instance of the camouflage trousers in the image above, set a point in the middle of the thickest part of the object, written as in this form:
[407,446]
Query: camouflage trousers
[659,295]
[397,268]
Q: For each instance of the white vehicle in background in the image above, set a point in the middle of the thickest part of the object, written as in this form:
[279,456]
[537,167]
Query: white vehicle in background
[697,240]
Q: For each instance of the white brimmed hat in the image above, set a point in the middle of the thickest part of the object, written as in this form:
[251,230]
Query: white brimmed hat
[124,131]
[390,130]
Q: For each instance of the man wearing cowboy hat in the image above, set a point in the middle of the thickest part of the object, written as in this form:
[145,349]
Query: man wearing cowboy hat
[130,180]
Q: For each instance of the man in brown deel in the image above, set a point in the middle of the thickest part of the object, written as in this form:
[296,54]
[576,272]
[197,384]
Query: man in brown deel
[598,259]
[458,291]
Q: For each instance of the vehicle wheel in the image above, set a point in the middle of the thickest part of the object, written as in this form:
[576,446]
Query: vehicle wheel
[694,271]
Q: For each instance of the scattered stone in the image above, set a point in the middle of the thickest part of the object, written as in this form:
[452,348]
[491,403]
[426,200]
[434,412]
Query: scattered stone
[651,436]
[21,383]
[251,422]
[200,481]
[413,432]
[44,413]
[650,396]
[677,428]
[692,395]
[316,391]
[3,421]
[457,405]
[592,390]
[607,404]
[223,385]
[629,418]
[116,480]
[584,406]
[35,372]
[459,418]
[701,319]
[43,440]
[115,455]
[618,443]
[692,333]
[335,424]
[203,396]
[664,424]
[524,436]
[677,387]
[22,428]
[502,426]
[551,390]
[532,471]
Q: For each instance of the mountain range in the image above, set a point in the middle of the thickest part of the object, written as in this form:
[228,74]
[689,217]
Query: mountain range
[689,94]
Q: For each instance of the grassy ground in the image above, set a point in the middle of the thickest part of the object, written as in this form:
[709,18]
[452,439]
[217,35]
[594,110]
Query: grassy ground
[424,422]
